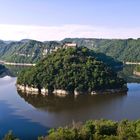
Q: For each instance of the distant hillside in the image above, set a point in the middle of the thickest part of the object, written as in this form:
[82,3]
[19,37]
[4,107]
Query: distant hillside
[30,51]
[123,50]
[25,51]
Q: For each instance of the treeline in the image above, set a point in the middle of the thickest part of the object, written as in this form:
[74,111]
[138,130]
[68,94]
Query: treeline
[93,130]
[71,69]
[97,130]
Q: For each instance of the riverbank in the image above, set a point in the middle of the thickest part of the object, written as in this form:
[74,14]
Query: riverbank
[16,64]
[63,93]
[132,63]
[33,64]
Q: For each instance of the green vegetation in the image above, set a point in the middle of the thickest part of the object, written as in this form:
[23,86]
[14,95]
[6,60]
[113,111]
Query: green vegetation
[31,51]
[97,130]
[24,51]
[71,69]
[93,130]
[137,68]
[127,50]
[10,136]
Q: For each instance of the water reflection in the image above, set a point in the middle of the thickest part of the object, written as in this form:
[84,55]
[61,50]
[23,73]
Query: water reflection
[10,70]
[56,111]
[127,74]
[83,102]
[14,70]
[4,71]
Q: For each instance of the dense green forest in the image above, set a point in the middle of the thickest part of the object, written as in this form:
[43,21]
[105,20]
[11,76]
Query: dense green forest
[71,69]
[30,51]
[97,130]
[93,130]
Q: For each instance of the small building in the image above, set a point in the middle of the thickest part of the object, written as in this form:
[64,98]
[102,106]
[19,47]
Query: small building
[69,45]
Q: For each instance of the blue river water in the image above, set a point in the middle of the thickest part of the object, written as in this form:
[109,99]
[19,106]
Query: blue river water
[31,116]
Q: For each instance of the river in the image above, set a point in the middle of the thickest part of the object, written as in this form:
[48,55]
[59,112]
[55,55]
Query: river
[32,116]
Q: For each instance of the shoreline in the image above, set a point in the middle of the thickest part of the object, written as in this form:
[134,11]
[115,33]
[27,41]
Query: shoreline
[33,64]
[132,63]
[64,93]
[16,64]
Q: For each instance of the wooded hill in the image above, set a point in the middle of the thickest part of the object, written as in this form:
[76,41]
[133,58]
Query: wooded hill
[127,50]
[71,69]
[30,51]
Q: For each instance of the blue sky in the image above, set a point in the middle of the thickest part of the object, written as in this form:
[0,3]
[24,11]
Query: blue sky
[69,18]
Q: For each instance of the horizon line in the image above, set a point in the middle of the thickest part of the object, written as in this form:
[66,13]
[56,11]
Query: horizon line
[70,38]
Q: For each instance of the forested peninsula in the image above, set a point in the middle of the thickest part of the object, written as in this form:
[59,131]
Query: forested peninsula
[70,71]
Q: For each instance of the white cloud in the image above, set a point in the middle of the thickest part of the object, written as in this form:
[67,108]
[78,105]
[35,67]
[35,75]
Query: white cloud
[42,33]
